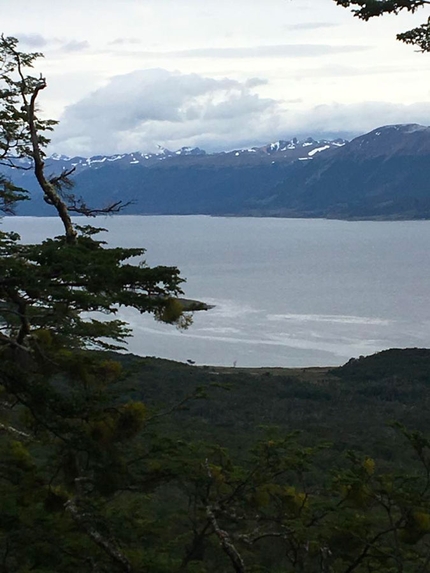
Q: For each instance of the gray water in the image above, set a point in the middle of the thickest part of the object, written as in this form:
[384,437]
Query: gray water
[287,292]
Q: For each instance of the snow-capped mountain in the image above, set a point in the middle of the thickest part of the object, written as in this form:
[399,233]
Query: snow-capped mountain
[381,174]
[305,146]
[283,150]
[390,140]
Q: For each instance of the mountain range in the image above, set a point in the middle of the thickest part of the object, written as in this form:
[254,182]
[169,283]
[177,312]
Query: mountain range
[383,174]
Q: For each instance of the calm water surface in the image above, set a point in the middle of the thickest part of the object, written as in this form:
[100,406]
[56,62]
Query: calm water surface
[288,292]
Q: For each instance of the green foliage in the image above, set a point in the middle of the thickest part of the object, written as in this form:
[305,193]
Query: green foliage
[55,282]
[277,519]
[67,440]
[94,479]
[15,91]
[419,36]
[49,286]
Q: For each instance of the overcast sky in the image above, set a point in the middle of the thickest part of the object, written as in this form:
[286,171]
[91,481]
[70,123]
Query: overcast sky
[127,75]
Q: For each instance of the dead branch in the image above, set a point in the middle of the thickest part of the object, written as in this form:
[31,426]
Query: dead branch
[80,207]
[63,179]
[224,538]
[14,432]
[226,543]
[109,546]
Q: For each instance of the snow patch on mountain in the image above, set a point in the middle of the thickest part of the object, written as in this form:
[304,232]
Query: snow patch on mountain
[318,150]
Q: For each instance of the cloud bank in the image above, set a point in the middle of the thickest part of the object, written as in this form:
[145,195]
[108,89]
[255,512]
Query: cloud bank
[147,108]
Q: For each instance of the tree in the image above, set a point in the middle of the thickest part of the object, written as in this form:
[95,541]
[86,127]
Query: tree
[65,436]
[366,9]
[49,286]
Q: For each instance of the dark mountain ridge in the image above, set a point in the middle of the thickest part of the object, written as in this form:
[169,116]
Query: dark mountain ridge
[186,181]
[383,174]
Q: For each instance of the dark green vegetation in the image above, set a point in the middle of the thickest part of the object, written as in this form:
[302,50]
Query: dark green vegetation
[112,463]
[200,479]
[350,406]
[366,9]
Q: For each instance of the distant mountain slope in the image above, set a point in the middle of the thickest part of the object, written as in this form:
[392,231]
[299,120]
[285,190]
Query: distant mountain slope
[186,181]
[384,174]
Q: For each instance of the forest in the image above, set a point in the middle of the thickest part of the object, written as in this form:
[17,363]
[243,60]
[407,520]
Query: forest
[114,463]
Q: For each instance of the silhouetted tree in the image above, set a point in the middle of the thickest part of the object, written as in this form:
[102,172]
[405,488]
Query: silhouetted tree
[366,9]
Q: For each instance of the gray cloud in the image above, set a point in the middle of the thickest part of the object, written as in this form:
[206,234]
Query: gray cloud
[275,51]
[124,41]
[255,82]
[149,107]
[324,121]
[340,120]
[63,44]
[32,40]
[146,108]
[75,46]
[350,70]
[311,26]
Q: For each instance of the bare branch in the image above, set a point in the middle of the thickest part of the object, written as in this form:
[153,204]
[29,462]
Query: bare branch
[109,546]
[79,206]
[226,543]
[224,538]
[14,432]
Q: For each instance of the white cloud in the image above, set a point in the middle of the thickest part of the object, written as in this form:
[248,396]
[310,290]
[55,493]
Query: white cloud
[124,41]
[149,107]
[310,54]
[311,26]
[37,41]
[143,109]
[31,40]
[245,52]
[75,46]
[354,119]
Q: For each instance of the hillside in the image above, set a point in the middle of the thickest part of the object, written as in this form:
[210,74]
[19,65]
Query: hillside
[186,181]
[350,406]
[381,175]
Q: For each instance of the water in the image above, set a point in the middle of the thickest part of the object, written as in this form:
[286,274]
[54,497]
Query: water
[287,292]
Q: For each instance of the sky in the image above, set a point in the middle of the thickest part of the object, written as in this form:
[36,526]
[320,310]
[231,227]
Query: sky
[132,75]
